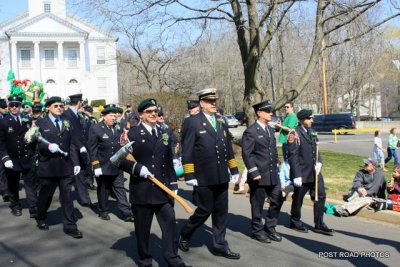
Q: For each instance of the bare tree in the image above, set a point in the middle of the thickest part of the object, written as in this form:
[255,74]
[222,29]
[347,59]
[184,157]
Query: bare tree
[256,24]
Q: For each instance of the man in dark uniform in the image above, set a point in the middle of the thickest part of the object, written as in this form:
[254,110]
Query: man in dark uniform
[305,164]
[57,165]
[208,162]
[102,144]
[81,127]
[261,159]
[89,113]
[153,155]
[193,107]
[17,156]
[3,178]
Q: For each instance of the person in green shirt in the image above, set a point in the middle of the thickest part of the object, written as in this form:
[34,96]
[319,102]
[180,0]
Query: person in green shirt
[392,147]
[288,124]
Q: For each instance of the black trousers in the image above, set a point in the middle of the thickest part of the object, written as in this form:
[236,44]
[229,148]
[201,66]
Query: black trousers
[210,200]
[30,185]
[165,215]
[106,183]
[48,186]
[257,200]
[319,206]
[82,188]
[3,181]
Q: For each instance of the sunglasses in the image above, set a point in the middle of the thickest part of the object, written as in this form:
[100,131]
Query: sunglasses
[309,118]
[14,104]
[150,111]
[58,106]
[27,107]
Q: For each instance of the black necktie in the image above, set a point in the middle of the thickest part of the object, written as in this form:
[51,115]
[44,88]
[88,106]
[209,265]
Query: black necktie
[309,133]
[153,133]
[57,124]
[19,122]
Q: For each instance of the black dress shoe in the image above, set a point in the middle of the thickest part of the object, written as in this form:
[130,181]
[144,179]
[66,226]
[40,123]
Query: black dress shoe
[300,228]
[273,235]
[183,244]
[263,238]
[104,216]
[325,230]
[129,218]
[227,254]
[89,205]
[6,198]
[16,212]
[42,225]
[74,233]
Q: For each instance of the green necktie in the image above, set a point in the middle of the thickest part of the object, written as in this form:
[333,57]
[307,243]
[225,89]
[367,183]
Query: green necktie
[213,123]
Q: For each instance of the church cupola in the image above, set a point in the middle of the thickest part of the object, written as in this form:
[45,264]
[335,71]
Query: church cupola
[56,7]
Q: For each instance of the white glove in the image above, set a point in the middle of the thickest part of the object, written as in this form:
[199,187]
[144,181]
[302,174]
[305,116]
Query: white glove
[297,182]
[9,164]
[235,178]
[54,148]
[83,150]
[192,182]
[318,167]
[77,169]
[144,172]
[175,191]
[98,172]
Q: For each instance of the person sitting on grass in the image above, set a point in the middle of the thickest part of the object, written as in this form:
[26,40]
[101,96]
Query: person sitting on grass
[369,183]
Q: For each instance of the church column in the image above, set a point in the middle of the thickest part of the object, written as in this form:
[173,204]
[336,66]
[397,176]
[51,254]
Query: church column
[37,65]
[14,58]
[82,66]
[60,82]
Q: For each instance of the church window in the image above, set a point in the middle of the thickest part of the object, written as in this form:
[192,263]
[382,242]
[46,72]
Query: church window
[47,7]
[102,87]
[49,58]
[26,58]
[101,55]
[73,81]
[50,81]
[72,58]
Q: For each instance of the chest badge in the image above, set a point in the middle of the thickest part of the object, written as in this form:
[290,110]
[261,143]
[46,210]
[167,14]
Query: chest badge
[10,129]
[105,136]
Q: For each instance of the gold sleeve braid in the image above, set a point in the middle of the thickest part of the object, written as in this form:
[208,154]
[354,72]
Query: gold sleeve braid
[188,168]
[232,163]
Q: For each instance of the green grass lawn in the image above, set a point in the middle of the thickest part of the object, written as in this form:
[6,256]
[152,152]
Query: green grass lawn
[338,170]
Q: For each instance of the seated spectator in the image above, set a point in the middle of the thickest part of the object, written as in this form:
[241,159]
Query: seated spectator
[368,184]
[394,184]
[284,175]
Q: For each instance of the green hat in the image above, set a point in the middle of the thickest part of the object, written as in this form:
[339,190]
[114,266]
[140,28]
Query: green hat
[110,108]
[120,110]
[149,102]
[304,113]
[27,103]
[52,100]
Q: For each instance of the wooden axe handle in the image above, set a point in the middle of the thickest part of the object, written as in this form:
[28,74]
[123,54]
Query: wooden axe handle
[180,200]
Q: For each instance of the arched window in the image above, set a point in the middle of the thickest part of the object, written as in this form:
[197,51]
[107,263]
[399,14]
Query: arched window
[50,81]
[73,81]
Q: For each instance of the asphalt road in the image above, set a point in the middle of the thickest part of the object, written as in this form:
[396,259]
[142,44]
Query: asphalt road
[356,144]
[112,243]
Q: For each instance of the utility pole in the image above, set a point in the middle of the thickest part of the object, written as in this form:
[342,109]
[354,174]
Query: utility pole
[324,86]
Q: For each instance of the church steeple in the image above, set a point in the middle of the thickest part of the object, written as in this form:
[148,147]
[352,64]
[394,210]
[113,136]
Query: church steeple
[56,7]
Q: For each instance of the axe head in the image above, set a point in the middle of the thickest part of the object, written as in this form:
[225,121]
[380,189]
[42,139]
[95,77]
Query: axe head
[121,154]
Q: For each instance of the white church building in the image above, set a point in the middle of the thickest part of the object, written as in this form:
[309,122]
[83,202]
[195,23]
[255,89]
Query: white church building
[67,54]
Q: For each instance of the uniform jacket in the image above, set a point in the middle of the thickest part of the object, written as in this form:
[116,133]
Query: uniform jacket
[56,164]
[102,144]
[156,155]
[302,154]
[207,154]
[81,125]
[260,155]
[12,144]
